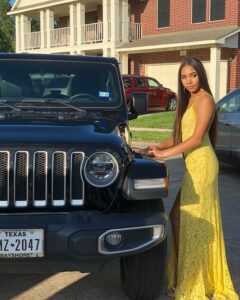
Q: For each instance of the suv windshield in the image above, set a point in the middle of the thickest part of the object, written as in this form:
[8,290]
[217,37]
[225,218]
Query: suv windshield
[79,83]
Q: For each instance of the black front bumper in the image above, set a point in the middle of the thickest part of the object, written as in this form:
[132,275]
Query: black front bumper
[76,240]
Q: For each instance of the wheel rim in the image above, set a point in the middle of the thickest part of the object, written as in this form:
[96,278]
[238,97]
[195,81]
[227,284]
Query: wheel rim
[172,104]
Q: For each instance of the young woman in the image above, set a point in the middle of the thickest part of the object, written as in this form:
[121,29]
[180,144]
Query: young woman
[197,268]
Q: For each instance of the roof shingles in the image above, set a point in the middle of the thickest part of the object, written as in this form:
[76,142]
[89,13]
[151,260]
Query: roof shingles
[209,34]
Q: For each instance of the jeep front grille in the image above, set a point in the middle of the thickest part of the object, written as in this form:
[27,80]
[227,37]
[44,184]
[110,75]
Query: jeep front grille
[41,178]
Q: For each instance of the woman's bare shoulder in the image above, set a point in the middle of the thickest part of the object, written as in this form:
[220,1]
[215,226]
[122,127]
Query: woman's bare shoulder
[206,100]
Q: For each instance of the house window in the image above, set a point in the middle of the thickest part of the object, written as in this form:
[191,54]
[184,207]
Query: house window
[217,10]
[198,11]
[163,13]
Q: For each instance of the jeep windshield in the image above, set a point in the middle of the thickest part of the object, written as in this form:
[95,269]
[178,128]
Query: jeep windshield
[74,84]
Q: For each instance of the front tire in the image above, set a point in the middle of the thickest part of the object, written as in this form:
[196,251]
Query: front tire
[143,274]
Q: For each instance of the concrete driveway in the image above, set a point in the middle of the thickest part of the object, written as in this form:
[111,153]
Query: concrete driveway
[106,284]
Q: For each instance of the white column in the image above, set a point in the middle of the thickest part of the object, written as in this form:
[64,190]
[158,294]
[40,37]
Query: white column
[24,29]
[80,23]
[125,21]
[115,54]
[114,21]
[49,25]
[80,52]
[106,52]
[123,63]
[18,33]
[214,79]
[106,20]
[73,23]
[42,28]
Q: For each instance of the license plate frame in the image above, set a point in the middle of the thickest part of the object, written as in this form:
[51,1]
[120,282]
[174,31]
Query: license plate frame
[21,243]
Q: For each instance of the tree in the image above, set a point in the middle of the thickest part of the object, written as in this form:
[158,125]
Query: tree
[6,27]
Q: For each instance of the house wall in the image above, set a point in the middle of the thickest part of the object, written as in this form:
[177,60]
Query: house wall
[91,17]
[145,12]
[232,56]
[94,16]
[63,22]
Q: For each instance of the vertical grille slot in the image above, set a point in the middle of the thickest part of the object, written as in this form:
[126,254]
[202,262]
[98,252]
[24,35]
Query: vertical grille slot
[4,178]
[41,178]
[59,178]
[21,178]
[76,180]
[40,165]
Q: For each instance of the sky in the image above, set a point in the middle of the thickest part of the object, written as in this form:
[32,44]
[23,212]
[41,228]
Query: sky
[12,2]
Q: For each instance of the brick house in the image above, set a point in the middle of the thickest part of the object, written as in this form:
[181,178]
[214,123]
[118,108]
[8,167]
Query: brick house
[147,36]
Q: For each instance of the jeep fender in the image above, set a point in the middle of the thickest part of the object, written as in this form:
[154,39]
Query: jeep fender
[146,179]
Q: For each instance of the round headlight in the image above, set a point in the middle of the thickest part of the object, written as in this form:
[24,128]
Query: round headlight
[101,169]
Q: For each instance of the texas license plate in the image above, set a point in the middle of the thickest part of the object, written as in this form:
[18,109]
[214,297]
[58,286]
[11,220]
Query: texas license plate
[21,243]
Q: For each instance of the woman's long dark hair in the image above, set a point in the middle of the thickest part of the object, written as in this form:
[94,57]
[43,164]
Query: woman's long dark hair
[184,96]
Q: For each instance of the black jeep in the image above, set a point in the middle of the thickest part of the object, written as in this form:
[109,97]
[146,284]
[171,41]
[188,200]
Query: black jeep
[73,192]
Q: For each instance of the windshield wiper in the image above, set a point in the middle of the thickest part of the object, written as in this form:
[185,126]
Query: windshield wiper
[65,104]
[2,105]
[35,110]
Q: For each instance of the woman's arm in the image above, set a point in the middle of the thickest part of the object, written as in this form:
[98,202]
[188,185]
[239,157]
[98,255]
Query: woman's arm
[167,144]
[161,146]
[205,110]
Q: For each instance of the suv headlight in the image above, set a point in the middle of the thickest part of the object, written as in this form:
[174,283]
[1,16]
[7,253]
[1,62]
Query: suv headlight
[101,169]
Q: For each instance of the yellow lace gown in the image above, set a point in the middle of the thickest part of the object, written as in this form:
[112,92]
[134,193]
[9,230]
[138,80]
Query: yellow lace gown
[202,271]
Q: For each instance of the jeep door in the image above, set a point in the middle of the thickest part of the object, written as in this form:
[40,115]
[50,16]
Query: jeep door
[155,93]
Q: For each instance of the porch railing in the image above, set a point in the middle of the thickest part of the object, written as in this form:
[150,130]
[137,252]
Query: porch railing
[91,33]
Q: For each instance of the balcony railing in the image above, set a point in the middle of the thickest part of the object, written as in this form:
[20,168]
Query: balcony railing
[135,31]
[60,37]
[90,33]
[32,40]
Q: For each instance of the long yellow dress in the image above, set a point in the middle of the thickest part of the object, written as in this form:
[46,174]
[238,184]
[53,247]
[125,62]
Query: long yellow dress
[202,271]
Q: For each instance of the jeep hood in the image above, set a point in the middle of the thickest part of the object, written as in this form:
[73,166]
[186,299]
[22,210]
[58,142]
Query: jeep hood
[101,133]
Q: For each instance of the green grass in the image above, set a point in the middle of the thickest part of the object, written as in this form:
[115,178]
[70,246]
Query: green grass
[155,120]
[150,136]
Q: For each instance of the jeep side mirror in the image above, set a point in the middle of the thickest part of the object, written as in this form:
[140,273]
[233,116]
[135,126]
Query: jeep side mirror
[139,104]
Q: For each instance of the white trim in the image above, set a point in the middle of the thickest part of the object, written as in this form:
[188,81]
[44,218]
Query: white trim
[15,4]
[168,46]
[18,33]
[215,57]
[15,10]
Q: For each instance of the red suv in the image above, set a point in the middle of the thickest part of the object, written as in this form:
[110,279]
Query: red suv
[159,97]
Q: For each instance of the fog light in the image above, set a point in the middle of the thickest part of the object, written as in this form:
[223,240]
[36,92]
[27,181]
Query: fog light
[113,238]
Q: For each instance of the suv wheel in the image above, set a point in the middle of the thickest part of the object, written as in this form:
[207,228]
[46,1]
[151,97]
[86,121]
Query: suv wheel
[172,104]
[143,274]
